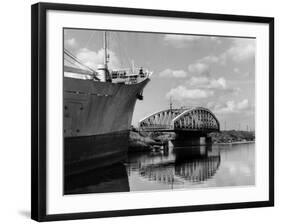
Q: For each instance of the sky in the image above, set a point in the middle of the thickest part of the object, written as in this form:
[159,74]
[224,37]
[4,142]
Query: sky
[215,72]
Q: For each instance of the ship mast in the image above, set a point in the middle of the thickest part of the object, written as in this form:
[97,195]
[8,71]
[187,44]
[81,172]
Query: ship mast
[106,57]
[105,49]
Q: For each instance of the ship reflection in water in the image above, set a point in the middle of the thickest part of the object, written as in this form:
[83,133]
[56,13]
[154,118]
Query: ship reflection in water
[106,179]
[180,167]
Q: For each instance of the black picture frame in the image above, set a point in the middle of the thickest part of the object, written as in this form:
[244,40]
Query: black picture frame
[39,122]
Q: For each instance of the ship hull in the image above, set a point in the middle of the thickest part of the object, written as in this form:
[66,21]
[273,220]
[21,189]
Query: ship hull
[97,118]
[85,153]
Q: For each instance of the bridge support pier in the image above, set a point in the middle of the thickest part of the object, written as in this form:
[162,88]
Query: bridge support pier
[208,140]
[190,138]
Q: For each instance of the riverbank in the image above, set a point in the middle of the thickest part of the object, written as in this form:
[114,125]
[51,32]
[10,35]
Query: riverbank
[235,143]
[139,143]
[151,141]
[148,141]
[232,137]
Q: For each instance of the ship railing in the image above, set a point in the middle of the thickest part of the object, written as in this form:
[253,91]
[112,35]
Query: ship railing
[126,73]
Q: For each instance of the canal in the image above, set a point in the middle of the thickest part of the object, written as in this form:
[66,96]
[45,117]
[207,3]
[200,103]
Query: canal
[176,168]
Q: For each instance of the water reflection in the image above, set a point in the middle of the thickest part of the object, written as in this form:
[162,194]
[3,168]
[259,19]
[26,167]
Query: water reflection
[106,179]
[195,164]
[176,167]
[196,167]
[193,167]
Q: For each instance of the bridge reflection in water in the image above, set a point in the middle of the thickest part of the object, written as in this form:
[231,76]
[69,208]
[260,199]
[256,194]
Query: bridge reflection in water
[174,166]
[177,166]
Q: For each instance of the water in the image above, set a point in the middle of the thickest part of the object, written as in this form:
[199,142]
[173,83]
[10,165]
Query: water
[180,167]
[191,167]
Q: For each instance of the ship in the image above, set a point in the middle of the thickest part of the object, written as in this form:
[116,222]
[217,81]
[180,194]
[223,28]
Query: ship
[97,112]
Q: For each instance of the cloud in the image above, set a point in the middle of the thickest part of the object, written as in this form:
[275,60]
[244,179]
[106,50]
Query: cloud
[219,83]
[198,81]
[219,86]
[181,93]
[179,41]
[173,73]
[207,82]
[216,39]
[230,106]
[227,108]
[93,59]
[202,87]
[241,50]
[209,59]
[243,104]
[175,37]
[198,68]
[71,42]
[236,70]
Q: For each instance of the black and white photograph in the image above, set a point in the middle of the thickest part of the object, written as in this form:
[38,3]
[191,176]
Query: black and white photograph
[142,111]
[146,111]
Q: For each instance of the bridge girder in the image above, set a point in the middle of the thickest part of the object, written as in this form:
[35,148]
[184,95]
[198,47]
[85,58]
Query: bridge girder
[188,119]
